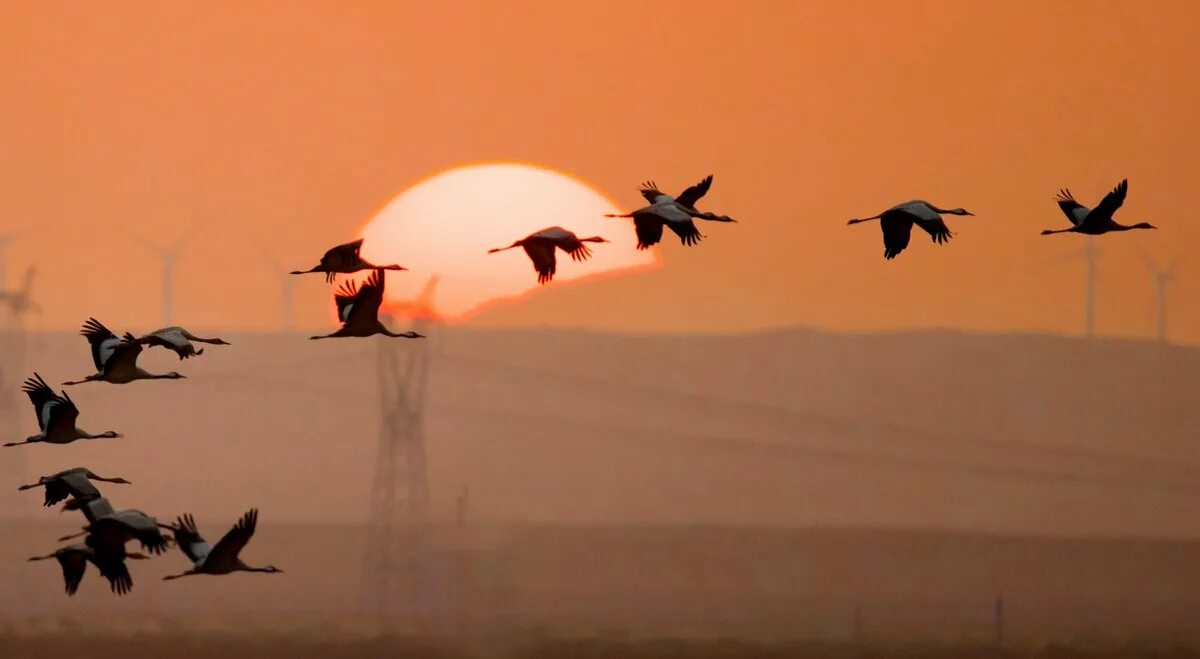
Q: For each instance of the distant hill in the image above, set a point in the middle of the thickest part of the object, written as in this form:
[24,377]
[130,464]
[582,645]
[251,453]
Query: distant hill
[1011,433]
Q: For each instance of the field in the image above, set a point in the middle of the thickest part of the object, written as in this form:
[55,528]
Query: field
[334,644]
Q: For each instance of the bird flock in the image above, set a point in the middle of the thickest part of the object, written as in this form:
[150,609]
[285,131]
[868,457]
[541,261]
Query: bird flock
[115,358]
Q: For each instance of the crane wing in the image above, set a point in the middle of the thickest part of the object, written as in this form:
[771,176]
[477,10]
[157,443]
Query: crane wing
[687,231]
[576,248]
[188,537]
[541,252]
[124,354]
[227,548]
[936,229]
[897,228]
[1075,211]
[74,566]
[1111,202]
[43,398]
[113,568]
[690,196]
[652,194]
[370,296]
[649,230]
[343,257]
[102,340]
[80,486]
[171,338]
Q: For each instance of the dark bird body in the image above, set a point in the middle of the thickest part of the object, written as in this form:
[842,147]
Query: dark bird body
[358,309]
[540,248]
[220,559]
[74,559]
[115,359]
[1098,220]
[675,213]
[178,340]
[56,415]
[344,259]
[897,223]
[75,483]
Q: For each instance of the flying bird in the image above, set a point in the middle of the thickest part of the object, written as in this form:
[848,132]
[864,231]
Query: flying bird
[897,223]
[358,309]
[74,559]
[676,213]
[108,534]
[540,248]
[179,340]
[344,259]
[75,483]
[221,559]
[1098,220]
[56,415]
[93,509]
[116,359]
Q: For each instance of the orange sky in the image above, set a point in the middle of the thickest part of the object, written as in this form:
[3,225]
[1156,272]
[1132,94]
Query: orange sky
[298,121]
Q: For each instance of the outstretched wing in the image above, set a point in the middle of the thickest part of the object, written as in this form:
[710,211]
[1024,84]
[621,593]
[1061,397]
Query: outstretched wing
[113,568]
[227,549]
[74,566]
[688,233]
[649,230]
[652,194]
[102,340]
[43,398]
[79,485]
[124,354]
[693,194]
[343,258]
[1111,202]
[936,229]
[1075,211]
[369,297]
[541,252]
[51,408]
[897,228]
[345,298]
[576,248]
[171,338]
[188,537]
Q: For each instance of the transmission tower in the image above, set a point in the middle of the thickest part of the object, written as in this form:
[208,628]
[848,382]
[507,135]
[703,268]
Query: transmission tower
[397,574]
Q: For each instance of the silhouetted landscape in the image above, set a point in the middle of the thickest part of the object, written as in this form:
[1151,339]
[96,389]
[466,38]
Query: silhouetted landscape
[676,487]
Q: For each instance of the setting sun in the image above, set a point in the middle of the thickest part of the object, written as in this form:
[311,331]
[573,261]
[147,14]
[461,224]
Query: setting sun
[444,226]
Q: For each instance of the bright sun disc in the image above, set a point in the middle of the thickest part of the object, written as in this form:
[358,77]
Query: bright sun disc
[444,226]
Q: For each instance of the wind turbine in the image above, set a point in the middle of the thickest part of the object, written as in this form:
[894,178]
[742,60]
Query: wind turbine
[170,258]
[1089,254]
[6,238]
[1163,276]
[20,300]
[420,307]
[286,284]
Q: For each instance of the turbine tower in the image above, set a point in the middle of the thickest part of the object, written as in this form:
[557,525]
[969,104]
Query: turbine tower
[1163,276]
[1089,254]
[396,580]
[1089,303]
[5,239]
[286,285]
[14,343]
[170,259]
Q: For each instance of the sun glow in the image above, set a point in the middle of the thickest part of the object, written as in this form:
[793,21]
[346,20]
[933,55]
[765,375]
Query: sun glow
[444,225]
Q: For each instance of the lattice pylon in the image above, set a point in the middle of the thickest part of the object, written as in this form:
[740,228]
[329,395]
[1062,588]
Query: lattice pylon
[396,568]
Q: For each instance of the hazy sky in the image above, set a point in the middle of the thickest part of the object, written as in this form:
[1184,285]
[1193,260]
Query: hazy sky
[297,121]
